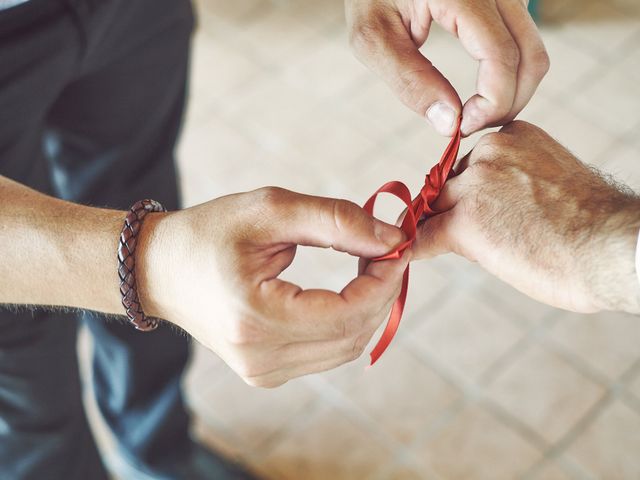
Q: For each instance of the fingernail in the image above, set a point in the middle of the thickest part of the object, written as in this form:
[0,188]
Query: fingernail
[387,234]
[442,117]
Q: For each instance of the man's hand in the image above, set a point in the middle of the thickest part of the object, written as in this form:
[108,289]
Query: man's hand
[213,270]
[535,216]
[499,34]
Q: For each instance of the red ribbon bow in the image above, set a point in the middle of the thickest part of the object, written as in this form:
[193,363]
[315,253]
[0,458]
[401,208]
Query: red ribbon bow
[417,209]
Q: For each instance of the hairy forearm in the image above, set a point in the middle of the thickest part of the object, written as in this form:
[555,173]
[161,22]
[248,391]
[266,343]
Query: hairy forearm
[612,275]
[57,253]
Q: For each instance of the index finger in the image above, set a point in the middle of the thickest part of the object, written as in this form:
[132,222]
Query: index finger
[484,35]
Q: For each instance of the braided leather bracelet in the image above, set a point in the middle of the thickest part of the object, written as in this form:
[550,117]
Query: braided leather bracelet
[127,263]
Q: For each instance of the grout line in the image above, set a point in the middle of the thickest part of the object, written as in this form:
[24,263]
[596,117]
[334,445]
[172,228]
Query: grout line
[343,403]
[578,429]
[613,390]
[505,360]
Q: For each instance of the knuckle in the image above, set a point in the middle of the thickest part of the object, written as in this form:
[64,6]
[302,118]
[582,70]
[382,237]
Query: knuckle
[540,63]
[517,127]
[510,55]
[271,198]
[344,212]
[489,145]
[368,31]
[483,170]
[410,90]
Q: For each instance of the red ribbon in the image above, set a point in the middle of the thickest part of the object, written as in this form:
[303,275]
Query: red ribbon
[417,209]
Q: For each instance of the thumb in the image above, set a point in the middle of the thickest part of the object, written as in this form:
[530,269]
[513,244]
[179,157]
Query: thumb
[328,222]
[387,48]
[435,237]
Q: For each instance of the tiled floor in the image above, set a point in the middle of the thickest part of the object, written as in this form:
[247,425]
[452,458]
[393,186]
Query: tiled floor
[481,383]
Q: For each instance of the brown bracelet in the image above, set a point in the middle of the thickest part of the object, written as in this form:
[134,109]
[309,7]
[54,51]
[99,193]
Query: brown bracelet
[127,263]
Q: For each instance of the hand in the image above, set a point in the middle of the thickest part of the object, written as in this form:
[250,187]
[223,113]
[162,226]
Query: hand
[535,216]
[499,34]
[213,271]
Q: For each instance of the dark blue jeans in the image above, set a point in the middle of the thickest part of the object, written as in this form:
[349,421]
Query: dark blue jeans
[91,100]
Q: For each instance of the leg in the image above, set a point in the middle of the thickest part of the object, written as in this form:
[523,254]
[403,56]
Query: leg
[110,139]
[43,428]
[110,142]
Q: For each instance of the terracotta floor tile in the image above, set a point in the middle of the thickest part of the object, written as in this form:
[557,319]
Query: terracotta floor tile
[254,415]
[276,37]
[466,335]
[407,473]
[517,306]
[631,7]
[325,445]
[219,441]
[551,471]
[544,392]
[421,147]
[271,111]
[332,146]
[212,148]
[617,113]
[427,287]
[217,69]
[598,20]
[610,445]
[212,10]
[310,72]
[320,14]
[400,393]
[321,268]
[569,64]
[450,58]
[380,114]
[476,446]
[608,342]
[554,13]
[634,386]
[203,368]
[632,58]
[277,99]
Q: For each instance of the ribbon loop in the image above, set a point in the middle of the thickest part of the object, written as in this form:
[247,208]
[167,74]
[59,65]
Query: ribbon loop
[418,208]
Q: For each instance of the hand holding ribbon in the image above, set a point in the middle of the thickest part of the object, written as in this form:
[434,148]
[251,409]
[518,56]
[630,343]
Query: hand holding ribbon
[418,208]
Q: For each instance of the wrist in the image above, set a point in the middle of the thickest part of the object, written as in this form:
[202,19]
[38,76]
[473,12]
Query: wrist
[153,273]
[612,279]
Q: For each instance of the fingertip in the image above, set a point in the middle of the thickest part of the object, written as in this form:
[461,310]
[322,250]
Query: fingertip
[474,115]
[389,235]
[443,118]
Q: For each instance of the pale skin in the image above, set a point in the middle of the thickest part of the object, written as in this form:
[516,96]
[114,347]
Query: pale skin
[499,34]
[533,215]
[213,269]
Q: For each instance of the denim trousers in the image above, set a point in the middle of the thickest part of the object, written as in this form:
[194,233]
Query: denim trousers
[92,94]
